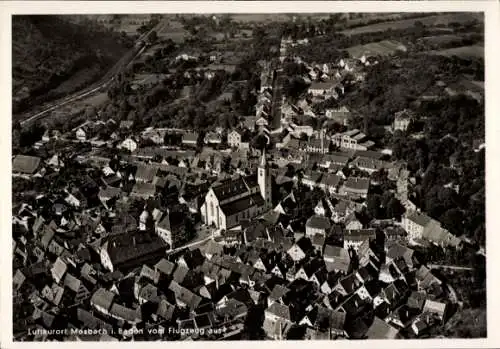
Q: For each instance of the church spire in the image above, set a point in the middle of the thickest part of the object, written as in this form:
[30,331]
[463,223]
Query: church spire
[263,162]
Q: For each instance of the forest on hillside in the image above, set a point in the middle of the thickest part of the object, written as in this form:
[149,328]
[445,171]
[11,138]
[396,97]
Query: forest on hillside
[52,57]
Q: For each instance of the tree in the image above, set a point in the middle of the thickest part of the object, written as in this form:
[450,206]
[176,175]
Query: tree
[373,204]
[394,209]
[153,37]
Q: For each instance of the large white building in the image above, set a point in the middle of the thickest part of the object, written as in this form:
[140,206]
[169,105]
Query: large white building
[230,201]
[352,139]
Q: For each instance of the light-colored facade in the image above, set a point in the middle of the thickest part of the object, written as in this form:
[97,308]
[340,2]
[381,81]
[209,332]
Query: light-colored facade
[234,139]
[352,139]
[232,201]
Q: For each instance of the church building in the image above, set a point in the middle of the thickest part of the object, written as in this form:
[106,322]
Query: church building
[230,201]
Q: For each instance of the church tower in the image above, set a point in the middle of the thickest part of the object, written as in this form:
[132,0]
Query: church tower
[264,180]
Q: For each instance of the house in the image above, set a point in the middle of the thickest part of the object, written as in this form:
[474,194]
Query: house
[419,326]
[277,320]
[312,178]
[25,165]
[212,138]
[169,233]
[351,222]
[143,190]
[352,140]
[318,88]
[396,251]
[318,241]
[425,279]
[145,173]
[126,124]
[296,253]
[76,286]
[416,300]
[340,115]
[128,315]
[326,320]
[184,298]
[58,270]
[278,294]
[382,330]
[108,193]
[324,208]
[164,268]
[354,238]
[81,135]
[129,144]
[402,120]
[190,139]
[228,202]
[356,187]
[338,159]
[419,225]
[342,210]
[102,300]
[130,249]
[330,183]
[234,138]
[337,259]
[368,164]
[435,308]
[317,225]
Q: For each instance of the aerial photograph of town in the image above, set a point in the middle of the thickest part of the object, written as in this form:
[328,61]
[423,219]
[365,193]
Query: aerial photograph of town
[240,176]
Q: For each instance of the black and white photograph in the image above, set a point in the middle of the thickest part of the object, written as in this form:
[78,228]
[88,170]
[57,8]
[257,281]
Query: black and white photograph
[248,176]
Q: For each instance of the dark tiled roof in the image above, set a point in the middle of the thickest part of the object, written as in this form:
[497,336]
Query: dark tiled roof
[242,204]
[360,234]
[280,310]
[146,172]
[420,219]
[90,321]
[129,246]
[103,298]
[184,295]
[144,189]
[331,180]
[230,188]
[127,314]
[318,222]
[357,183]
[381,330]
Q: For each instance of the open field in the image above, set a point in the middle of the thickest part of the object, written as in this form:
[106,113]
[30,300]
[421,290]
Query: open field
[261,17]
[465,52]
[172,29]
[427,21]
[381,48]
[440,39]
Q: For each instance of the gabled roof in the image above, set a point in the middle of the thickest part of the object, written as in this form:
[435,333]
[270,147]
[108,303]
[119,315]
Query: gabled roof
[280,310]
[318,222]
[234,207]
[102,298]
[357,183]
[146,172]
[25,164]
[381,330]
[72,282]
[184,295]
[331,180]
[127,314]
